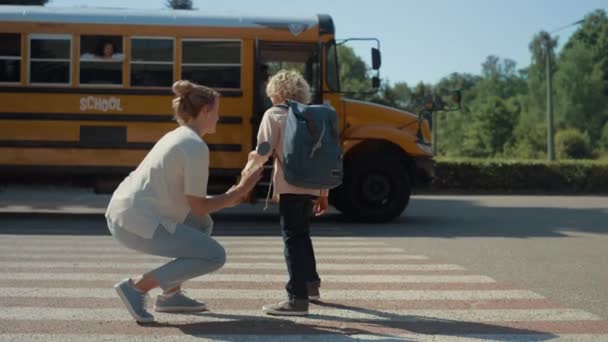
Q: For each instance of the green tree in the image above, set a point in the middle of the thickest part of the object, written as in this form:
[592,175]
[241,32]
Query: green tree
[582,78]
[452,126]
[386,95]
[530,133]
[457,81]
[500,78]
[491,128]
[402,95]
[485,129]
[541,44]
[580,99]
[593,35]
[353,72]
[179,4]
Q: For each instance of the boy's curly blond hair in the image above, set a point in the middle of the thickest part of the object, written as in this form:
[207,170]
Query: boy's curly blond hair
[289,85]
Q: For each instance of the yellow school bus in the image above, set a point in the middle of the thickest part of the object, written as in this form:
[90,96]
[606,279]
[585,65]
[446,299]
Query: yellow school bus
[87,92]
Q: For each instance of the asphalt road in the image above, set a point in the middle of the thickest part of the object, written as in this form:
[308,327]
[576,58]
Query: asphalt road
[556,247]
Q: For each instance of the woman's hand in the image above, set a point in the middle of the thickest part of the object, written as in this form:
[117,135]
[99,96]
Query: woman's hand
[321,205]
[246,184]
[206,205]
[239,199]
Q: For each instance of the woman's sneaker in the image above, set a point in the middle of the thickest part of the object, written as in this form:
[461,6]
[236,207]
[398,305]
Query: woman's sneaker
[178,302]
[134,300]
[292,307]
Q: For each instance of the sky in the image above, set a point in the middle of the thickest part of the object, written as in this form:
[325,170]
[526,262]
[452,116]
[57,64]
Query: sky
[420,40]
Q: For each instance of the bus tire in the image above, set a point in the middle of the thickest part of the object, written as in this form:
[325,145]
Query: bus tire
[375,189]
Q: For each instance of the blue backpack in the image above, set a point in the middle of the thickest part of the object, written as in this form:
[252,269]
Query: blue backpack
[312,157]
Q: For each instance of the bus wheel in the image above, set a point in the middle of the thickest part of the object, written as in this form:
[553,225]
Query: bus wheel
[375,189]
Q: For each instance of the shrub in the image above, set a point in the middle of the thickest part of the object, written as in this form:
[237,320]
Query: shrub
[572,144]
[521,176]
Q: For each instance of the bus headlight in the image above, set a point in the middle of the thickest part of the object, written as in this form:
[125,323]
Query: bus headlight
[425,147]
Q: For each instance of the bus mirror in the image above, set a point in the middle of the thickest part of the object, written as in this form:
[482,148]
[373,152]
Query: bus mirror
[376,59]
[375,82]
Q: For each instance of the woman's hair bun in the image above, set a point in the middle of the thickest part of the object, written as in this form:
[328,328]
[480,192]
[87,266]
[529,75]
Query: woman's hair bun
[182,87]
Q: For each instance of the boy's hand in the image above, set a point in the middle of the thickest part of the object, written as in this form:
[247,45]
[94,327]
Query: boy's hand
[321,205]
[248,181]
[246,184]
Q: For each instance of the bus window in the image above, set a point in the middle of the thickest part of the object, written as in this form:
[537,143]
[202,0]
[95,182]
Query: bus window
[101,60]
[303,58]
[10,57]
[50,59]
[152,62]
[215,64]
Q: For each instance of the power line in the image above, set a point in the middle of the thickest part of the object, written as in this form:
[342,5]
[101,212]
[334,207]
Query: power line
[566,26]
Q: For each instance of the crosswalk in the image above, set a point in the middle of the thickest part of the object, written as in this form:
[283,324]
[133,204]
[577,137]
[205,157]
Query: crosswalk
[59,288]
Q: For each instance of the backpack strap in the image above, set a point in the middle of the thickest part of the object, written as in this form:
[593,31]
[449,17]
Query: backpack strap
[309,122]
[334,130]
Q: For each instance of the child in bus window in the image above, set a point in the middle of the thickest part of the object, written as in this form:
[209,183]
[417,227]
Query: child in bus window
[106,51]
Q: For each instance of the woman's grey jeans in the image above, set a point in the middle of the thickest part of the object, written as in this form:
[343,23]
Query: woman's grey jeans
[195,251]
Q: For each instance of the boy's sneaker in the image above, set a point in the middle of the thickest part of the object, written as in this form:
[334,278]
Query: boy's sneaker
[134,300]
[178,302]
[292,307]
[313,290]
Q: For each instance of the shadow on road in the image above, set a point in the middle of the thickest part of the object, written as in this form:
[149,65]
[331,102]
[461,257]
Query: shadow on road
[427,217]
[466,218]
[383,327]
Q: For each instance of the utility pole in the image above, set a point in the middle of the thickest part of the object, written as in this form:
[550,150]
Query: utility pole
[549,77]
[434,131]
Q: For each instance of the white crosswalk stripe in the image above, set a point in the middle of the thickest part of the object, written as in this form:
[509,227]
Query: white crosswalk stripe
[273,294]
[30,256]
[392,315]
[275,249]
[236,265]
[259,277]
[52,289]
[311,338]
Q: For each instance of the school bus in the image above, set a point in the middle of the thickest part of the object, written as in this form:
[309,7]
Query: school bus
[87,92]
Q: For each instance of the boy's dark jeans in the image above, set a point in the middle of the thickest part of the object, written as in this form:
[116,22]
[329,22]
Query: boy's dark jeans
[295,211]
